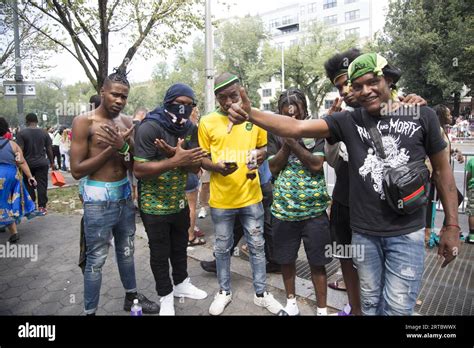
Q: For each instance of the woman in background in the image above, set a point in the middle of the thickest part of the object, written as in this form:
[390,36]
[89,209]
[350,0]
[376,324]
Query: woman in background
[15,202]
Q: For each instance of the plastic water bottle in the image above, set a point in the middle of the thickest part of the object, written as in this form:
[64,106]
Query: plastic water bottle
[136,309]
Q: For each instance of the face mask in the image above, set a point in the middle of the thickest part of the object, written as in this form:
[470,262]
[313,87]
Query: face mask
[180,111]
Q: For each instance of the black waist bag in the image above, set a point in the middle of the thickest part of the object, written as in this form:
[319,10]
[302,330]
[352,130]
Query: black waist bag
[407,187]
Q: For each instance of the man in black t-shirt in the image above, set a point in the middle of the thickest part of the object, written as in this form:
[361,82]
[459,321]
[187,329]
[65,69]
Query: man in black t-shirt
[390,246]
[36,145]
[166,149]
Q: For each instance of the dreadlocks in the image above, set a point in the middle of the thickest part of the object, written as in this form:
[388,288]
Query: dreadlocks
[293,96]
[118,76]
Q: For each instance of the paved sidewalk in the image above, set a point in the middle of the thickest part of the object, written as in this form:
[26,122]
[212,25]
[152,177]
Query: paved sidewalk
[53,284]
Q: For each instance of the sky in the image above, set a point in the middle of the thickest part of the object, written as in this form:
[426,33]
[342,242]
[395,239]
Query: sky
[68,69]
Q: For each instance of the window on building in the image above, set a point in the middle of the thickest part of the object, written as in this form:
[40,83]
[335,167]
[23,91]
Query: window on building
[328,104]
[266,107]
[274,23]
[352,15]
[350,1]
[267,92]
[313,7]
[329,4]
[353,32]
[330,20]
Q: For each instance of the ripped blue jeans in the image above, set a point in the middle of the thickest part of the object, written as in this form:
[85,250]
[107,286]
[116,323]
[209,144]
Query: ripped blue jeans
[251,218]
[390,272]
[102,220]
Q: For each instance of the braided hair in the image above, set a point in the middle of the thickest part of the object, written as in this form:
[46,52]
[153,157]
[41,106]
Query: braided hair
[293,96]
[118,76]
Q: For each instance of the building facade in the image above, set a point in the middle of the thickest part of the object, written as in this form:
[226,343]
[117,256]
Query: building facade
[288,25]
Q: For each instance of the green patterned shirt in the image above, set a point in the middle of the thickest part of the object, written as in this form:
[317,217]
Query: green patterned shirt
[298,194]
[164,194]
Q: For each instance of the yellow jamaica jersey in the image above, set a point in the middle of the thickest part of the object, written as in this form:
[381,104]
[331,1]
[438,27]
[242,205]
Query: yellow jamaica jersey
[236,190]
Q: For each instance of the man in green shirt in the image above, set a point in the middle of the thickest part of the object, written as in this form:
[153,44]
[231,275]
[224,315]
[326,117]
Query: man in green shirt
[300,200]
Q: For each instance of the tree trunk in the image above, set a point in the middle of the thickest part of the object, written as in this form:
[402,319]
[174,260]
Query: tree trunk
[456,104]
[103,46]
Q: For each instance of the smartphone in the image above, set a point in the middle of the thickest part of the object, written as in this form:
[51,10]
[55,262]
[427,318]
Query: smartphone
[230,165]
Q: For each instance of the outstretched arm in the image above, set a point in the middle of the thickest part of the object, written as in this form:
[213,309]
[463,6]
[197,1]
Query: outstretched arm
[287,127]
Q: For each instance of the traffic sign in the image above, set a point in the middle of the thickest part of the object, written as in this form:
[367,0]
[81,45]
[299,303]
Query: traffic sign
[11,88]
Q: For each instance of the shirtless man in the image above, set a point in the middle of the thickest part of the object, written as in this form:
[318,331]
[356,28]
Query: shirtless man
[100,151]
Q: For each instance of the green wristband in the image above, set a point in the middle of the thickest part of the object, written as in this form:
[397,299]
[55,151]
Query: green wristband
[124,149]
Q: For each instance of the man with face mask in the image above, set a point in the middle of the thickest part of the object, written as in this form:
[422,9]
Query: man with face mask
[166,149]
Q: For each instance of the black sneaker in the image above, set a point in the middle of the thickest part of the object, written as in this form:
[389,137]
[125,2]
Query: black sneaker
[209,266]
[14,238]
[148,307]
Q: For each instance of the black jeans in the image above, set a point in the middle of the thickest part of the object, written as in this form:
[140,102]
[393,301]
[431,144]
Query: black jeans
[41,176]
[267,202]
[168,241]
[57,155]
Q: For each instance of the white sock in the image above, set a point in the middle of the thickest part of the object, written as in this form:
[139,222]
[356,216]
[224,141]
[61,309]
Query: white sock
[291,307]
[321,311]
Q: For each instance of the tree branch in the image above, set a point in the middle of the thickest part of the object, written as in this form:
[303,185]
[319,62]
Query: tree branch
[84,27]
[65,17]
[111,13]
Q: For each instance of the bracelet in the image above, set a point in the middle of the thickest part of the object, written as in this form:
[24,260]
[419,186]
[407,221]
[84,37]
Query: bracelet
[451,225]
[124,149]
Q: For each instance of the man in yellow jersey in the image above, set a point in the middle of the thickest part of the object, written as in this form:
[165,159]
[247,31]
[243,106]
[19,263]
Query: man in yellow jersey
[235,192]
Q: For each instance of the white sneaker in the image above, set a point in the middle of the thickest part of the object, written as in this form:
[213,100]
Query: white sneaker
[186,289]
[268,302]
[167,304]
[202,213]
[290,309]
[221,300]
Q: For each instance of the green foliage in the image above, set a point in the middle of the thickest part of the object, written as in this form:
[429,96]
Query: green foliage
[52,98]
[432,41]
[238,51]
[86,28]
[34,48]
[304,63]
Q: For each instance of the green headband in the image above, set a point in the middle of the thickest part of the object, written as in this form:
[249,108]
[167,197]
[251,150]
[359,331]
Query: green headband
[366,63]
[230,81]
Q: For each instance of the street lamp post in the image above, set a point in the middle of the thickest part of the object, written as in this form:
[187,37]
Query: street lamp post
[18,76]
[210,98]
